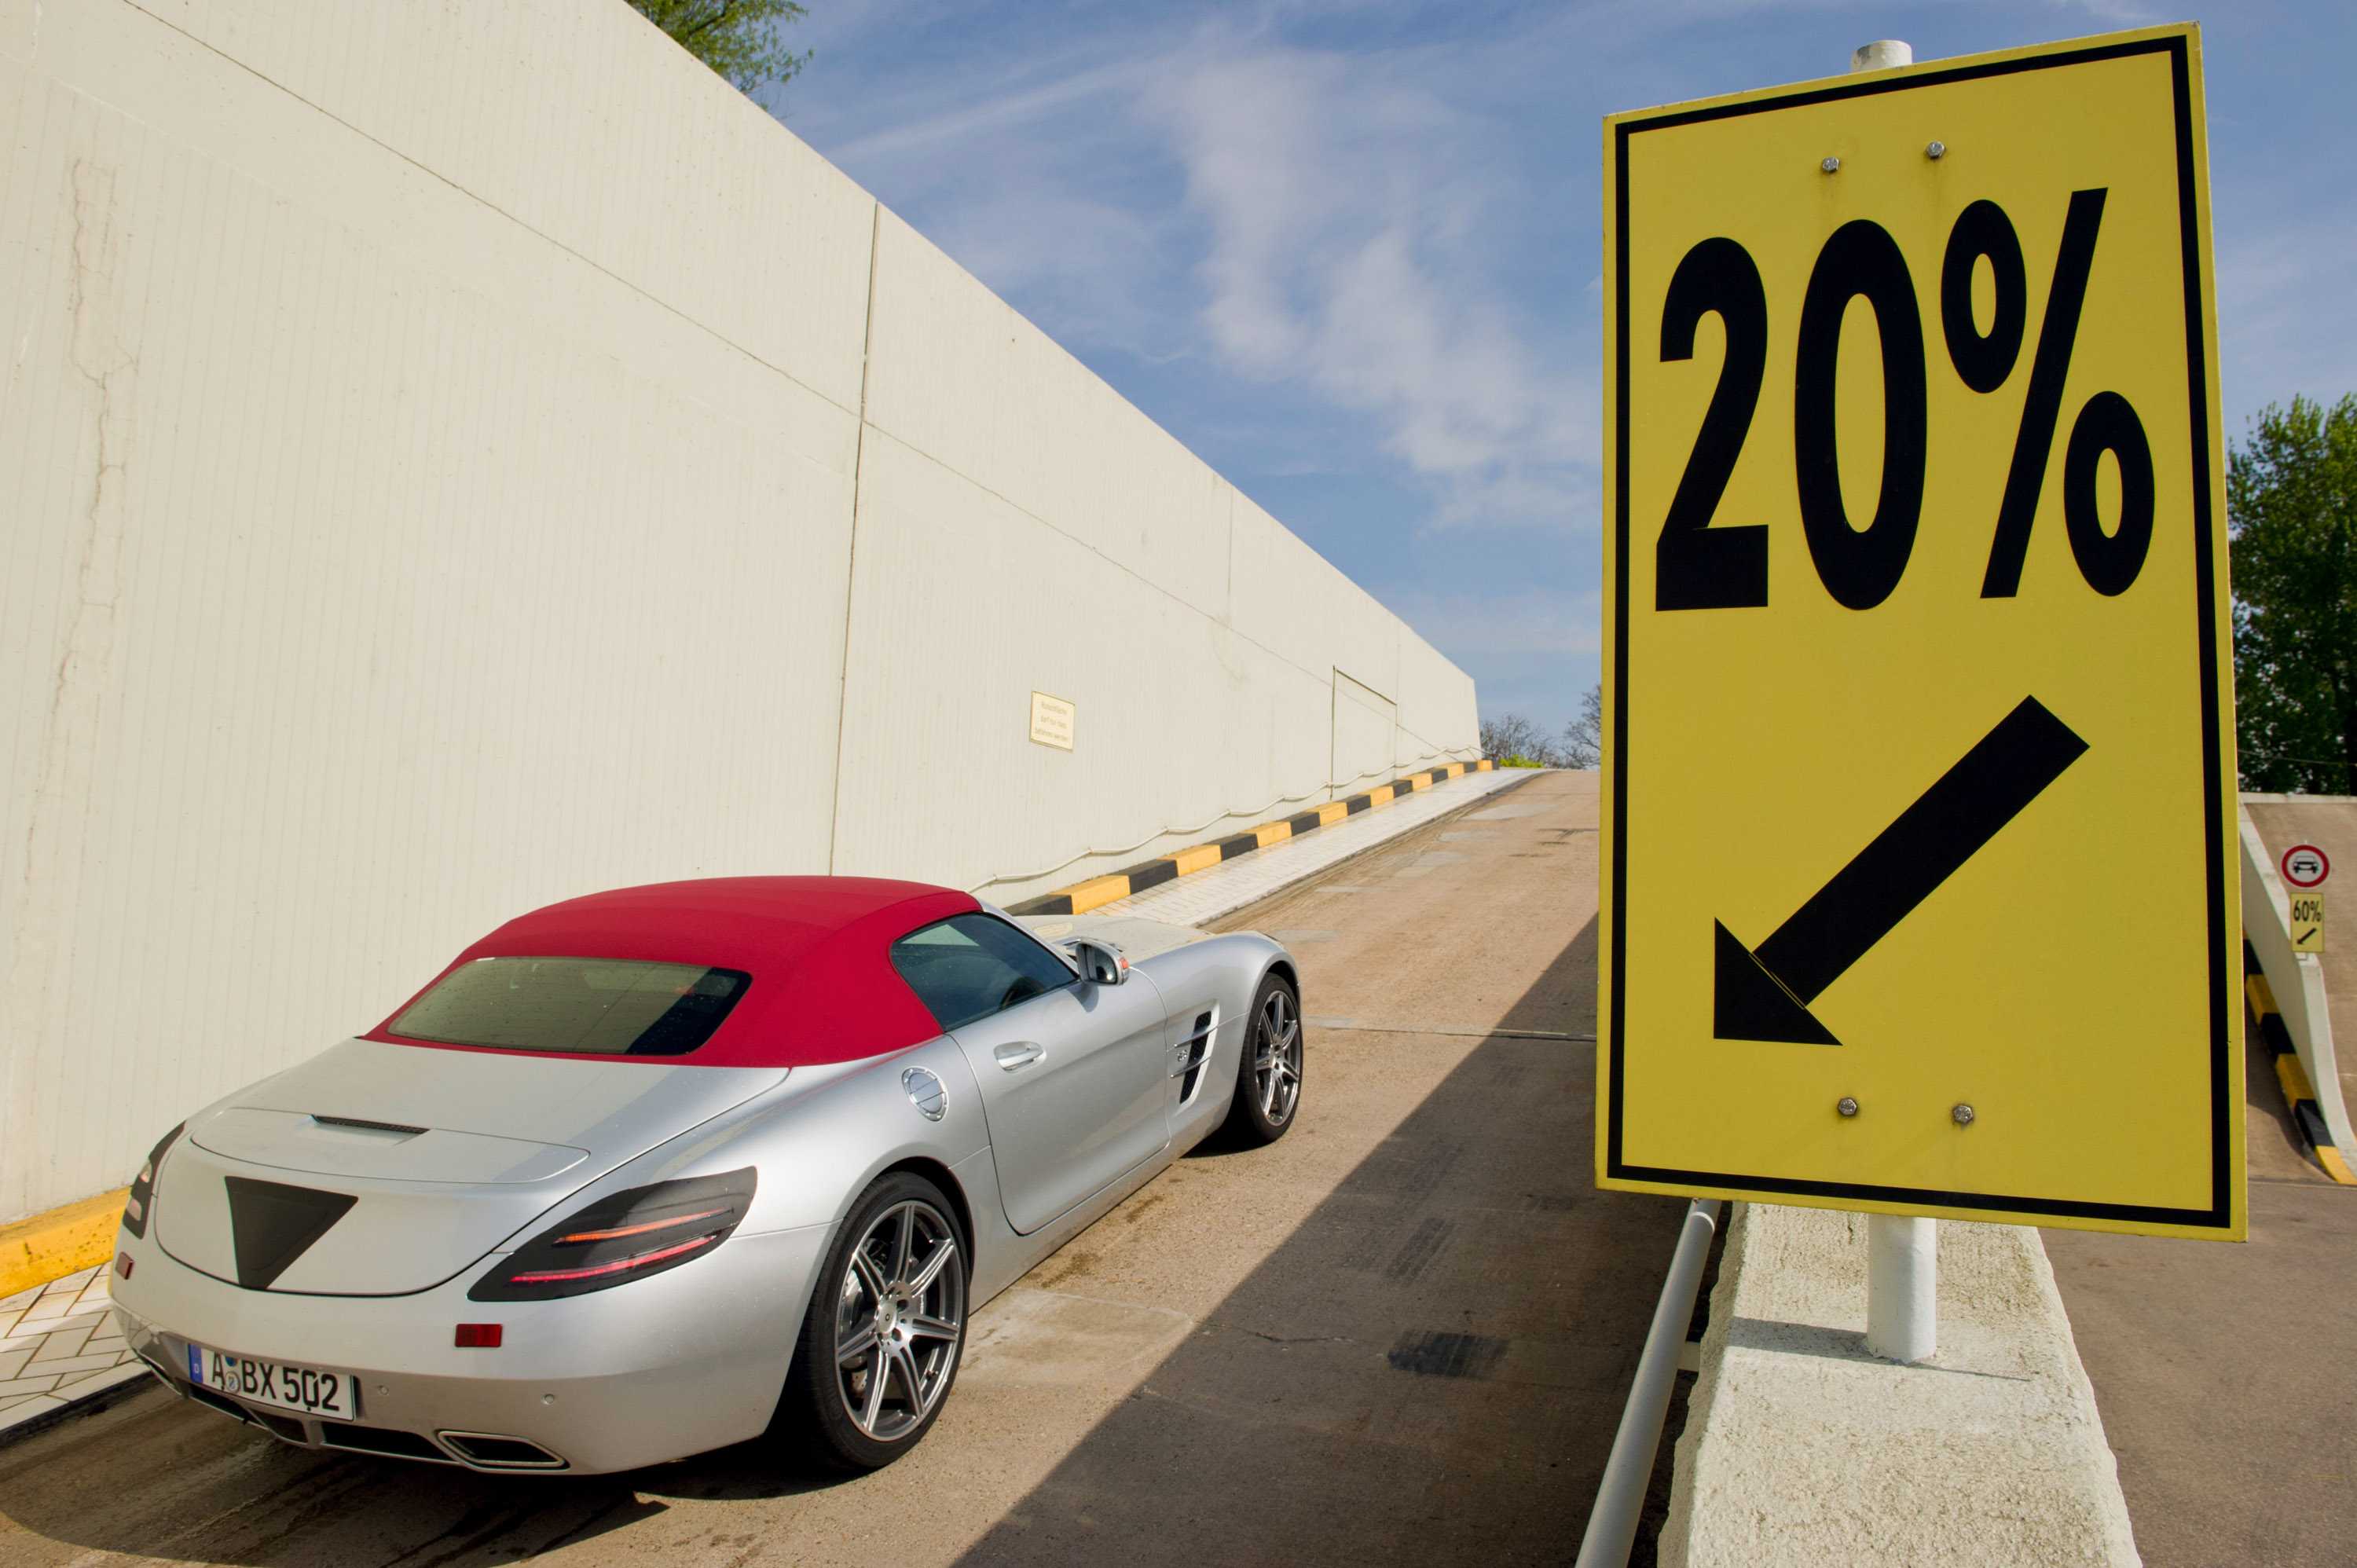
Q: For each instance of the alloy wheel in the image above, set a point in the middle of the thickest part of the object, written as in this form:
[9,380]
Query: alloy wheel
[1276,1058]
[898,1316]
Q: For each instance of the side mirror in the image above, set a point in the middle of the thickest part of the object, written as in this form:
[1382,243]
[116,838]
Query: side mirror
[1100,961]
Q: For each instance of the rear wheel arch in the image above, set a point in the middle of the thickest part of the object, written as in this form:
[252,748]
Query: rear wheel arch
[940,1175]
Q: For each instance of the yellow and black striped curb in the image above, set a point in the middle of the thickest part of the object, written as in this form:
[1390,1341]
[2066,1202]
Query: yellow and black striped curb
[58,1242]
[1083,896]
[2290,1074]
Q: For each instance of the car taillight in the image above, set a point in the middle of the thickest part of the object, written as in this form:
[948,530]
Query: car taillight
[142,1201]
[624,1237]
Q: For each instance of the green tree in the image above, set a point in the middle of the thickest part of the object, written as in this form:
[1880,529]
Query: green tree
[739,38]
[2292,504]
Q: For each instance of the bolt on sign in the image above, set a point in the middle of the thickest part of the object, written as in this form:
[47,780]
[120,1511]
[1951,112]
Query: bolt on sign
[1920,888]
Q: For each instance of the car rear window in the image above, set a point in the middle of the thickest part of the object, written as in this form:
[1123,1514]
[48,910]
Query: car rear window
[598,1006]
[970,966]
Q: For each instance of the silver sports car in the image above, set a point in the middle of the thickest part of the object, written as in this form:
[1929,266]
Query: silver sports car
[655,1171]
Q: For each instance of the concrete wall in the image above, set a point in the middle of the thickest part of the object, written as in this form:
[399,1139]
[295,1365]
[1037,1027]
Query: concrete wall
[460,457]
[2296,979]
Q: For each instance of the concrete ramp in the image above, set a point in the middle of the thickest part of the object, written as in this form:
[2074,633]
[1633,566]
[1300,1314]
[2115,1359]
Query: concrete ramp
[2314,995]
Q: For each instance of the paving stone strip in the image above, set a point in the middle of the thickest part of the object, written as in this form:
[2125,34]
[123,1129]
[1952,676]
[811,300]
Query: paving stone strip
[59,1346]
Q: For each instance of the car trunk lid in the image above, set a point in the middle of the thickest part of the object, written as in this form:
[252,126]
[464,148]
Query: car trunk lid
[443,1153]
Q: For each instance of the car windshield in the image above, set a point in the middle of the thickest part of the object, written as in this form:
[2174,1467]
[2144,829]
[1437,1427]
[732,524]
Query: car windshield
[598,1006]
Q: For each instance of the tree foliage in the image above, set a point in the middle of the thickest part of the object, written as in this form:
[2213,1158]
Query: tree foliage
[739,38]
[1516,742]
[1583,738]
[2292,506]
[1513,740]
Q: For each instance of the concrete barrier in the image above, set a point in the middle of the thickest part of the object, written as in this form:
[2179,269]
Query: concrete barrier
[2296,981]
[1801,1448]
[466,455]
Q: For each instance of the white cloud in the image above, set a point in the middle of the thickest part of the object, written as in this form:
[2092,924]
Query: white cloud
[2122,13]
[2286,320]
[933,132]
[1350,219]
[1098,268]
[1538,625]
[1534,650]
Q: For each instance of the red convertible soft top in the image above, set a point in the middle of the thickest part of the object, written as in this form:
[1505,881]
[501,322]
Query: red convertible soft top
[823,986]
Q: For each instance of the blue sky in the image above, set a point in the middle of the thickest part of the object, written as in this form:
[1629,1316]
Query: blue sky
[1347,250]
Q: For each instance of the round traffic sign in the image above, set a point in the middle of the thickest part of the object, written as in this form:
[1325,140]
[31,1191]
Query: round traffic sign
[2305,866]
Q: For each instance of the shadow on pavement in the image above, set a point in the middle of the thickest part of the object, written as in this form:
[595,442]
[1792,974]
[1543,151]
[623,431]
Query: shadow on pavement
[1563,999]
[191,1486]
[1430,1369]
[195,1486]
[2221,1371]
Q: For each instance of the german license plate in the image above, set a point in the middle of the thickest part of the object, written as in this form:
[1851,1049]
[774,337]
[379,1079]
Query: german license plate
[336,1395]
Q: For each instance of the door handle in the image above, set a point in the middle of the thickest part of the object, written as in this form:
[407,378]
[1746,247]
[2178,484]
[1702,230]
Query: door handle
[1014,1056]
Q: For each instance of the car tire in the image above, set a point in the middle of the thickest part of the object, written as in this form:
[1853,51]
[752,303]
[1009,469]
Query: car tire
[879,1346]
[1268,1075]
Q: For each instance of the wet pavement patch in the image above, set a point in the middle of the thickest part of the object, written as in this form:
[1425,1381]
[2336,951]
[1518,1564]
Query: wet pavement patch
[1435,1355]
[1041,1337]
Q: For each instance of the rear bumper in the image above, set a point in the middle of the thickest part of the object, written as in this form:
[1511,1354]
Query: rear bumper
[685,1361]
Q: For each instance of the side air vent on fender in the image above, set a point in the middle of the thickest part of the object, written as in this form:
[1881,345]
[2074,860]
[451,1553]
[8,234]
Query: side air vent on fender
[1188,1056]
[272,1224]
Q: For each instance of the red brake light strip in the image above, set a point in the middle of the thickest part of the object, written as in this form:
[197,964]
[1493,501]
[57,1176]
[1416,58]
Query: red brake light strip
[563,1276]
[581,1236]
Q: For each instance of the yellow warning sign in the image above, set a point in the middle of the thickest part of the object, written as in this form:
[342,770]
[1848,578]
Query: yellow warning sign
[1919,775]
[2308,922]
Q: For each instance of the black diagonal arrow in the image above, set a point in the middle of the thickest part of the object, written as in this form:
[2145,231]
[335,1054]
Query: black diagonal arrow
[1763,993]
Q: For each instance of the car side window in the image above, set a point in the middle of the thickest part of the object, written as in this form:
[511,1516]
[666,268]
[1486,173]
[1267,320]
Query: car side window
[970,966]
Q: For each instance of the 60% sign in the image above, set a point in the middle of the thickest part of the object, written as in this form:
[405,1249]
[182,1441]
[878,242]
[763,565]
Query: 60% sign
[2306,868]
[1701,568]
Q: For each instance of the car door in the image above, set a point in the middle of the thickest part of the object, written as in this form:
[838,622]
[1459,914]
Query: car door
[1072,1072]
